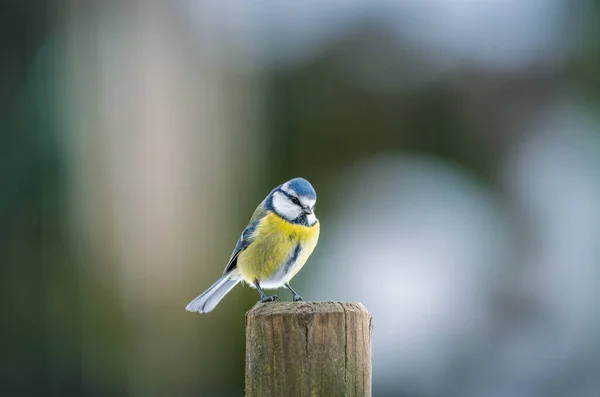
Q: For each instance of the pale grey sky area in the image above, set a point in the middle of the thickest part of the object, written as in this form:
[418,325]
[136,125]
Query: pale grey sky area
[492,33]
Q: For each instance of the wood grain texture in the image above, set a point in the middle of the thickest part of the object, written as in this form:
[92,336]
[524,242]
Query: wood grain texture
[308,349]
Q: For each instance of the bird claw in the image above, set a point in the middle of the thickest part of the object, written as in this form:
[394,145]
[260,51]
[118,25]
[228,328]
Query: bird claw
[270,299]
[298,298]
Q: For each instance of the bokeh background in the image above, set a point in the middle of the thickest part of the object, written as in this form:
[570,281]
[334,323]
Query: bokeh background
[454,145]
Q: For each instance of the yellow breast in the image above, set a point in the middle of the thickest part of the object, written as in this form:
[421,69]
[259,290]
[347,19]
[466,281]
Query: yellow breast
[274,243]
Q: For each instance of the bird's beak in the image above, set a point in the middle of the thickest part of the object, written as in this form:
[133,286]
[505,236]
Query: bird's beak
[308,210]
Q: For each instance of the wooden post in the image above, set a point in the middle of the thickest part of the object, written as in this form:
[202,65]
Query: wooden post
[308,349]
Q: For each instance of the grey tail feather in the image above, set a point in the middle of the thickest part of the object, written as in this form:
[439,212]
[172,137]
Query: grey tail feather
[212,296]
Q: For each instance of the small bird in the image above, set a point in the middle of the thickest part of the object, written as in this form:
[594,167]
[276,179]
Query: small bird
[281,235]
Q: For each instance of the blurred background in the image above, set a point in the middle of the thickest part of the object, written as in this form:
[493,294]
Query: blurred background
[454,145]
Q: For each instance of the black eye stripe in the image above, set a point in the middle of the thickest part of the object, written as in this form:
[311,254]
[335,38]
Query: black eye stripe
[292,198]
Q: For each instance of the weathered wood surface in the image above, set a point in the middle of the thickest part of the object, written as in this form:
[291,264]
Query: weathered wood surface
[308,349]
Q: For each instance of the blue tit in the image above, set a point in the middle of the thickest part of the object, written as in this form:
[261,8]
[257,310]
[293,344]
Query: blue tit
[281,235]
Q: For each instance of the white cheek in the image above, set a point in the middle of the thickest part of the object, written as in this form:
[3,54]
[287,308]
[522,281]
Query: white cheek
[311,219]
[284,207]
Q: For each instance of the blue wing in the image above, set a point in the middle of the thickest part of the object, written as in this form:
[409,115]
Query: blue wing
[246,238]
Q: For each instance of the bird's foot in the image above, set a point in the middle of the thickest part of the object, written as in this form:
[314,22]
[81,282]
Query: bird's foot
[298,298]
[273,298]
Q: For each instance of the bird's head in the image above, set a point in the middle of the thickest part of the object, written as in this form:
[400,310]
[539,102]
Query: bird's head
[295,201]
